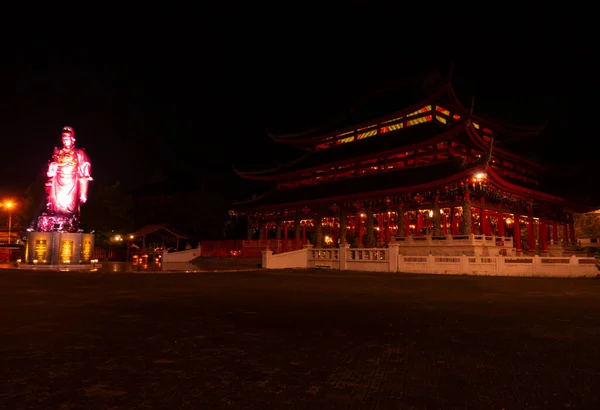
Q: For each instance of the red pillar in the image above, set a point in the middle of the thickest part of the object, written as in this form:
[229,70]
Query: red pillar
[572,232]
[360,230]
[406,225]
[530,234]
[388,232]
[453,222]
[543,236]
[444,223]
[336,230]
[419,224]
[517,233]
[554,233]
[501,224]
[483,220]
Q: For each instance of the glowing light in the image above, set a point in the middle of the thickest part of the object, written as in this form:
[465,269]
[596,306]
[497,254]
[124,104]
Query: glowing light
[479,176]
[328,240]
[431,214]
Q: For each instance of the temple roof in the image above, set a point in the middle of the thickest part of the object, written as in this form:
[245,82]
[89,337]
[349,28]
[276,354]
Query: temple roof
[402,140]
[369,185]
[403,181]
[396,103]
[399,140]
[373,104]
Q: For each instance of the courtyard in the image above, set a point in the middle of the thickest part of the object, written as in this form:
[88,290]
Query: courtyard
[311,339]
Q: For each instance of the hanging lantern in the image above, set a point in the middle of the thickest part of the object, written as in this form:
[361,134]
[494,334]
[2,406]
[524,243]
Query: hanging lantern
[419,198]
[306,209]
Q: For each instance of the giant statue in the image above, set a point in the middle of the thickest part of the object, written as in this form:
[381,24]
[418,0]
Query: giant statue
[69,173]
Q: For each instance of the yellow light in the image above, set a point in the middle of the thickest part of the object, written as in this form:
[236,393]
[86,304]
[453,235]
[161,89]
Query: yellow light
[479,176]
[430,214]
[8,205]
[328,240]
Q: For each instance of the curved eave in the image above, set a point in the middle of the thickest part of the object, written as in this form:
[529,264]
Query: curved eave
[256,175]
[240,204]
[524,191]
[514,130]
[446,89]
[318,139]
[365,195]
[481,143]
[289,175]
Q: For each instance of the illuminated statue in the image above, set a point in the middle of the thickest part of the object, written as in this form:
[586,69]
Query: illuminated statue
[69,174]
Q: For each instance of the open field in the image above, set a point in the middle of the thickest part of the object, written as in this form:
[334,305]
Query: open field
[297,340]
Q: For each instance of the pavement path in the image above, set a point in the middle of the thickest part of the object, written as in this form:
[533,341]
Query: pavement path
[297,340]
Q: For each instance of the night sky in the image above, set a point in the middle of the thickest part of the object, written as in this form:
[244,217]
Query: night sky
[193,94]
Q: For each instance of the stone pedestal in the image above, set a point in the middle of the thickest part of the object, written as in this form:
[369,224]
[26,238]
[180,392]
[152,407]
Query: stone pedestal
[59,248]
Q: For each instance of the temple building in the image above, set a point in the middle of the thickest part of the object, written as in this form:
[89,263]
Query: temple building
[433,169]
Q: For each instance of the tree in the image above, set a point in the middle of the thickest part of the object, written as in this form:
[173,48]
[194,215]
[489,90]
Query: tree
[109,209]
[587,225]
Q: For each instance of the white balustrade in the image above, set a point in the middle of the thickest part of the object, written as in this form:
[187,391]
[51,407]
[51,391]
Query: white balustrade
[392,259]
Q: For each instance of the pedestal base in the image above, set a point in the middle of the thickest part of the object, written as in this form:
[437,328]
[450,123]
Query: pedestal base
[59,248]
[53,223]
[69,267]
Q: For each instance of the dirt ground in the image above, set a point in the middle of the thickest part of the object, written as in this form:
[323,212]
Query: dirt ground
[297,340]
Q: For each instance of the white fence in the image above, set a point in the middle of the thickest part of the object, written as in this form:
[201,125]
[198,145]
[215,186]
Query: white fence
[390,260]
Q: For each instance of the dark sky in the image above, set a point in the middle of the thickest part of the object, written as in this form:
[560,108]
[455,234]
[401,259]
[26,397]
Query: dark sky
[195,92]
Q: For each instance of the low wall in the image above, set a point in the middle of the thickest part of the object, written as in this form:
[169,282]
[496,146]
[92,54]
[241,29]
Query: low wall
[181,256]
[472,245]
[390,260]
[293,259]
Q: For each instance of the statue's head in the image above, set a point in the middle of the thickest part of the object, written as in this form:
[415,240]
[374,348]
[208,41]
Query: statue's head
[68,137]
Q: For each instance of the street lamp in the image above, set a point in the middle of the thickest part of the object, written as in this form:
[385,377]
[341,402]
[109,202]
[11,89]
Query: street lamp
[9,205]
[131,237]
